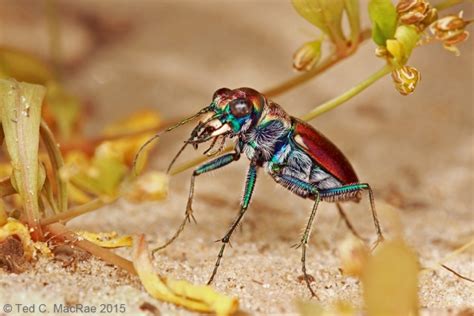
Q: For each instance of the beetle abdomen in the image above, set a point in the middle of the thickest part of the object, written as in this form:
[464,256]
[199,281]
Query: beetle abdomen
[323,152]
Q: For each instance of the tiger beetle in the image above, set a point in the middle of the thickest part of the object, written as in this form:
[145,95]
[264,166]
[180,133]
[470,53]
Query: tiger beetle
[292,152]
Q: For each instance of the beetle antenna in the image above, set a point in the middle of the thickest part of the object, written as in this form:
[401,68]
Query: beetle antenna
[176,157]
[157,135]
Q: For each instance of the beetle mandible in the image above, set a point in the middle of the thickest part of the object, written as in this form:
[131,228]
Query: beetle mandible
[292,152]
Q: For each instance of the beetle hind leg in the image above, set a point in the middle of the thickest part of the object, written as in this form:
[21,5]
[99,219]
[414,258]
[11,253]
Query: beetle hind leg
[348,223]
[337,194]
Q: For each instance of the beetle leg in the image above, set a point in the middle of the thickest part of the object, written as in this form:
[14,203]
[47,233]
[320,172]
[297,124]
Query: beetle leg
[303,189]
[209,166]
[358,187]
[249,186]
[348,222]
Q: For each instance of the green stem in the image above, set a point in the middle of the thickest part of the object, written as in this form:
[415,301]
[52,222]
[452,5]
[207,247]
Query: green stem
[323,66]
[349,94]
[447,4]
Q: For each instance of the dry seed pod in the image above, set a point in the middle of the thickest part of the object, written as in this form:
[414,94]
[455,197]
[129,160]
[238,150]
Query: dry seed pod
[405,79]
[416,12]
[451,31]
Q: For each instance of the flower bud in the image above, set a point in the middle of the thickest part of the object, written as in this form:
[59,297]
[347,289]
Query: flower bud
[451,31]
[307,56]
[405,79]
[416,12]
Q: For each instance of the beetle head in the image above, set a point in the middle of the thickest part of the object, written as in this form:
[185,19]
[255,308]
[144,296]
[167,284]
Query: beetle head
[231,112]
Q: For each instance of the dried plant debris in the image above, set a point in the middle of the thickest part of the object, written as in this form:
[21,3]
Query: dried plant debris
[200,298]
[106,240]
[69,255]
[104,173]
[152,309]
[12,256]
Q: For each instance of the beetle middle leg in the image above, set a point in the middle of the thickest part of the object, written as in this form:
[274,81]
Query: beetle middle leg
[215,164]
[249,186]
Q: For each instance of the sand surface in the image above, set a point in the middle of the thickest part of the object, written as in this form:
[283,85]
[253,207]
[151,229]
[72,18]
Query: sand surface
[417,153]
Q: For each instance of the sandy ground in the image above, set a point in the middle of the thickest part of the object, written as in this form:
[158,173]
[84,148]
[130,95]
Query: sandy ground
[417,153]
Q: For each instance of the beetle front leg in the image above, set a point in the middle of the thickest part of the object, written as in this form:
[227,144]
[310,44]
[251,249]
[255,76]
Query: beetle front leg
[249,186]
[209,166]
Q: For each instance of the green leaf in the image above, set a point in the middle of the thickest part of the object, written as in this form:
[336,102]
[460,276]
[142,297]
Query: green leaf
[20,112]
[384,20]
[408,36]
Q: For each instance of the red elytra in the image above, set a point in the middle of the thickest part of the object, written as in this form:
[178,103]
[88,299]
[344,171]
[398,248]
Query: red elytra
[324,152]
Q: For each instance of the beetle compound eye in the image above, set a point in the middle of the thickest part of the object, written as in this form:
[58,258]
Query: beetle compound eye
[240,107]
[220,92]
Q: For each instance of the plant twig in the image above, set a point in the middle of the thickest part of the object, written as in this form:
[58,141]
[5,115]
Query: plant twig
[60,231]
[76,211]
[349,94]
[320,68]
[457,274]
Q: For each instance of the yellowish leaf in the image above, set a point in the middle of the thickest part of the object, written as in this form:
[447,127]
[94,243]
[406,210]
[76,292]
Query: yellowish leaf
[390,281]
[106,240]
[3,214]
[100,176]
[151,186]
[200,298]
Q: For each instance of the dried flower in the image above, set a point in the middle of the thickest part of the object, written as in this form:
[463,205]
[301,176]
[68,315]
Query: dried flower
[451,31]
[416,12]
[406,78]
[307,56]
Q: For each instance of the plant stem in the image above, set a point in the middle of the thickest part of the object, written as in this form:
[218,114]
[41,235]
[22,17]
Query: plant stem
[59,231]
[447,4]
[77,211]
[320,68]
[349,94]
